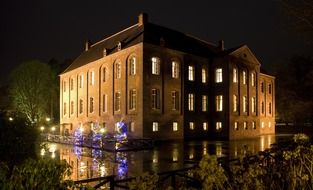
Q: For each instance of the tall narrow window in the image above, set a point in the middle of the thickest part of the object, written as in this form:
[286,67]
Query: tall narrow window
[175,126]
[244,77]
[262,124]
[262,87]
[235,103]
[218,75]
[117,105]
[175,69]
[91,104]
[204,103]
[219,103]
[104,74]
[191,102]
[92,77]
[81,104]
[235,75]
[191,73]
[155,126]
[118,70]
[245,126]
[270,108]
[72,107]
[253,104]
[132,126]
[252,79]
[175,100]
[64,108]
[71,83]
[64,86]
[203,73]
[132,66]
[191,125]
[155,65]
[132,99]
[81,81]
[104,102]
[262,108]
[155,97]
[236,126]
[269,88]
[253,125]
[244,104]
[218,126]
[205,126]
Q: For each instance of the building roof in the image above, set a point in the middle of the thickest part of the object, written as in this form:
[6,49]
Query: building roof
[147,33]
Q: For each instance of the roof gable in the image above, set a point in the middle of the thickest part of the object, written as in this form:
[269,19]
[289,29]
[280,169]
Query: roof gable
[244,54]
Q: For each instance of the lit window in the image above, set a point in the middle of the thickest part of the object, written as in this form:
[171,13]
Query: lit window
[253,125]
[72,107]
[270,108]
[253,104]
[104,73]
[132,99]
[64,108]
[81,106]
[252,79]
[92,78]
[191,125]
[244,77]
[269,124]
[218,75]
[218,126]
[191,102]
[132,65]
[191,73]
[262,124]
[236,126]
[262,108]
[155,126]
[204,103]
[81,81]
[104,102]
[117,105]
[155,97]
[118,70]
[175,69]
[155,65]
[269,88]
[91,104]
[175,100]
[245,126]
[244,104]
[203,71]
[175,126]
[235,75]
[205,126]
[64,86]
[71,83]
[219,103]
[132,127]
[235,103]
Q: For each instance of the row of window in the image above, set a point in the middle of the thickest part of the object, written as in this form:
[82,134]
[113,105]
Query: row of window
[205,126]
[244,77]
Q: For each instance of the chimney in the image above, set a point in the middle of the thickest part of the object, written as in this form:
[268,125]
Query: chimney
[87,45]
[221,45]
[142,19]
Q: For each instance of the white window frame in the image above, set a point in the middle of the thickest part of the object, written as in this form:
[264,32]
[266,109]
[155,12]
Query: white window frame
[155,126]
[191,102]
[117,101]
[219,103]
[203,74]
[155,98]
[92,78]
[205,126]
[191,73]
[204,103]
[218,75]
[235,75]
[191,125]
[175,126]
[132,66]
[132,99]
[218,125]
[175,69]
[155,64]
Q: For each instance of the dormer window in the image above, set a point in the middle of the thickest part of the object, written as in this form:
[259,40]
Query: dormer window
[104,52]
[119,46]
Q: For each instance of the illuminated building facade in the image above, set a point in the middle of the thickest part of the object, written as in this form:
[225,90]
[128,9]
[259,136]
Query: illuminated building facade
[166,85]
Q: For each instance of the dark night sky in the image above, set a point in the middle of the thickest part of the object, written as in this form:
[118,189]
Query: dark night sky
[37,29]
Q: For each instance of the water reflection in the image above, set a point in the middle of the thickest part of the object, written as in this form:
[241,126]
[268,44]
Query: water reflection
[90,163]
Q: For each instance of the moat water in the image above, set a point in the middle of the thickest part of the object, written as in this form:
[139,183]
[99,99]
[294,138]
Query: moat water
[165,156]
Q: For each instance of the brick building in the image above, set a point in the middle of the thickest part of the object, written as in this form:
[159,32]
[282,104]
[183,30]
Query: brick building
[166,85]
